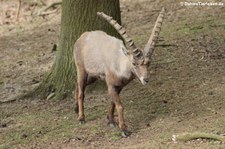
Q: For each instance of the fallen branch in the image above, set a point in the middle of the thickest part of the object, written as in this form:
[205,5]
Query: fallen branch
[8,101]
[52,5]
[197,135]
[47,13]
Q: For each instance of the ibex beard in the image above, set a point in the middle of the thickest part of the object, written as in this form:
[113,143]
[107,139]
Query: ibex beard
[100,56]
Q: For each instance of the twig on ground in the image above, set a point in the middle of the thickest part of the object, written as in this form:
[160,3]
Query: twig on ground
[18,10]
[42,2]
[166,45]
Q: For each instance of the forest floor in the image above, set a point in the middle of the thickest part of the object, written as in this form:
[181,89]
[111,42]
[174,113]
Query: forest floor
[186,92]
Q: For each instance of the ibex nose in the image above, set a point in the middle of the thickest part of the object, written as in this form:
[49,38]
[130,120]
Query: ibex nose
[144,81]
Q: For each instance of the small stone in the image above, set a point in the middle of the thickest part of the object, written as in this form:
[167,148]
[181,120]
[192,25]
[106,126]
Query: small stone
[210,93]
[3,125]
[165,101]
[24,135]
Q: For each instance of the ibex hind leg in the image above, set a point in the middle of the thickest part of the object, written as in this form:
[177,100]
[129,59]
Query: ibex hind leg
[81,85]
[76,108]
[90,80]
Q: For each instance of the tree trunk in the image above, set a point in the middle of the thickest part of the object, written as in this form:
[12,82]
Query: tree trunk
[77,17]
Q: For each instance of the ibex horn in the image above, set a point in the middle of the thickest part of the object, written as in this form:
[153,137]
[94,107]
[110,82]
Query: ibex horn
[149,48]
[121,30]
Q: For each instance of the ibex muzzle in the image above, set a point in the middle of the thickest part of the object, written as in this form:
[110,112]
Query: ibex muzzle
[100,56]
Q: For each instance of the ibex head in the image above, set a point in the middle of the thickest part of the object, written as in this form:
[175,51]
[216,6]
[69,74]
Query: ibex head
[140,59]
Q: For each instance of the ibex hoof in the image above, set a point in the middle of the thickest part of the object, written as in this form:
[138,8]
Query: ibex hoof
[81,122]
[125,133]
[112,124]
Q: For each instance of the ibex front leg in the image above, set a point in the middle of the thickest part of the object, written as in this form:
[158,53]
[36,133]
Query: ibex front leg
[112,110]
[114,94]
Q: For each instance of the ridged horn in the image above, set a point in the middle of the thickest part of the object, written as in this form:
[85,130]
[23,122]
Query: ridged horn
[121,30]
[149,48]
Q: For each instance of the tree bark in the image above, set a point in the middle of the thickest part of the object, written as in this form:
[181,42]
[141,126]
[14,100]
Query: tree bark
[77,17]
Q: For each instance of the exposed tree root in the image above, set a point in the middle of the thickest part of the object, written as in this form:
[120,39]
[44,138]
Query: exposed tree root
[13,99]
[197,135]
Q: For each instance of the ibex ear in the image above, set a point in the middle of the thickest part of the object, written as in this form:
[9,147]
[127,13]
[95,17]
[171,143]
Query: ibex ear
[147,60]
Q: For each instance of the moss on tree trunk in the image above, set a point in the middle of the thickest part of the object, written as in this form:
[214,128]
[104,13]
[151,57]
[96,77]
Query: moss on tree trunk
[77,17]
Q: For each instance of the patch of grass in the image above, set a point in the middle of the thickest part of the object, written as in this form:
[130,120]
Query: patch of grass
[190,30]
[39,126]
[95,112]
[95,129]
[141,39]
[113,135]
[98,86]
[192,27]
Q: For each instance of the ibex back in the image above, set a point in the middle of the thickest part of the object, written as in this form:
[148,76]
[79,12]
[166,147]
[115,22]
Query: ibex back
[100,56]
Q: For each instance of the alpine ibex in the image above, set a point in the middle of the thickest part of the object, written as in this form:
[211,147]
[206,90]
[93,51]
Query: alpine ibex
[100,56]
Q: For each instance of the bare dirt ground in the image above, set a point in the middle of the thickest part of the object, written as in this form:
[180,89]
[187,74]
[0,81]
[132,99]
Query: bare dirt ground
[185,93]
